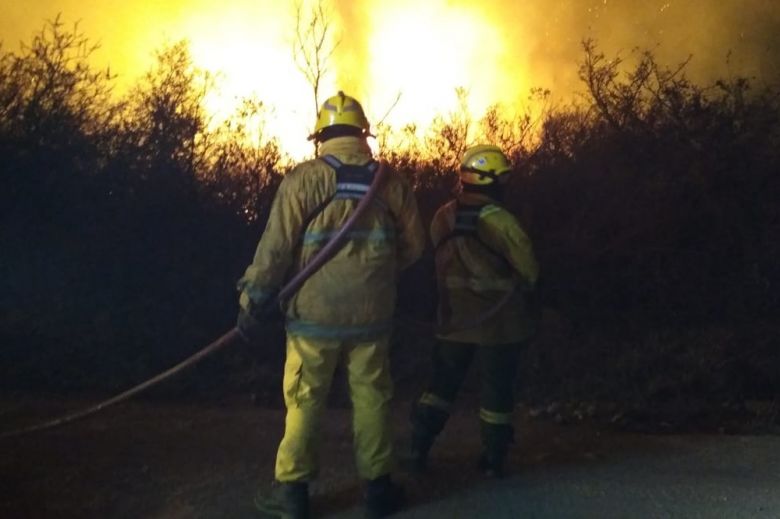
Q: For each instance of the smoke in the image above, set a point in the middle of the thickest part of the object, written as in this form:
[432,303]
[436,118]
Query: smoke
[727,37]
[421,49]
[724,37]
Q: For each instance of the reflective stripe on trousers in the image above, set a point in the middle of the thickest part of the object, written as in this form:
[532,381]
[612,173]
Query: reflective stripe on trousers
[451,361]
[495,417]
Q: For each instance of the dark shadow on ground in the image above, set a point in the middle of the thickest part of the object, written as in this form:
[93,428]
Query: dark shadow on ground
[157,460]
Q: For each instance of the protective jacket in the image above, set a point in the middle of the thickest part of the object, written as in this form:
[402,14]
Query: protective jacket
[353,295]
[481,253]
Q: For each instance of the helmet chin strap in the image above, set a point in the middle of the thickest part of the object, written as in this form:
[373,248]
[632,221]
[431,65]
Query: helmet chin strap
[338,130]
[494,190]
[483,174]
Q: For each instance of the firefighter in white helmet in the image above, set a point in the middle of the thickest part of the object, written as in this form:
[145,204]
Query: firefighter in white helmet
[482,253]
[343,311]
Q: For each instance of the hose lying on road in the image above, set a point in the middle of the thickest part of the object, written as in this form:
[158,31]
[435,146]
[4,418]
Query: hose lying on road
[217,345]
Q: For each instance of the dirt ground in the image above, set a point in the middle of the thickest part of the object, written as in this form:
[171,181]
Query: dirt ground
[163,460]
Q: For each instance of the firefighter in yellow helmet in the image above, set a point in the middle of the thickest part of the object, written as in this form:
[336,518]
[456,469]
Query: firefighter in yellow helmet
[482,257]
[343,311]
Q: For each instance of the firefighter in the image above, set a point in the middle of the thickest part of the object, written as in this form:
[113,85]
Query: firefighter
[483,257]
[344,310]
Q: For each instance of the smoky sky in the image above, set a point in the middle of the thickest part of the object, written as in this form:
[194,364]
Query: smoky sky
[723,37]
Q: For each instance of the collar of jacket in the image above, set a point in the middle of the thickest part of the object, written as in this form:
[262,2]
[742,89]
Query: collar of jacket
[467,198]
[345,146]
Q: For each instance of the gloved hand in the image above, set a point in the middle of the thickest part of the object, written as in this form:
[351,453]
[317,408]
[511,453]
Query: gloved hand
[248,326]
[250,321]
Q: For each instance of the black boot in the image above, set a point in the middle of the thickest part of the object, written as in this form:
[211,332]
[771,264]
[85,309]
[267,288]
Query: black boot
[427,423]
[414,456]
[496,439]
[383,497]
[284,500]
[491,463]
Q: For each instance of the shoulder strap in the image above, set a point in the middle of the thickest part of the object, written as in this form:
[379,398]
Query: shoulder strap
[352,181]
[331,161]
[466,220]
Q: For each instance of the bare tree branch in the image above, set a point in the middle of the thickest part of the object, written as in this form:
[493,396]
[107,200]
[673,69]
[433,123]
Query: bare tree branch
[389,110]
[314,46]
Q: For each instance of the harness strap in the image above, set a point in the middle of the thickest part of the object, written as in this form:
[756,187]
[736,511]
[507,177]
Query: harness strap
[352,181]
[331,161]
[483,174]
[466,220]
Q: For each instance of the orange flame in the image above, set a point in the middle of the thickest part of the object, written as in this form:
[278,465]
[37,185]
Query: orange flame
[422,50]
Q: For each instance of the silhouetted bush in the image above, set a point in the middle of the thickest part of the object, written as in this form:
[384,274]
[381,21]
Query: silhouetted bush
[54,113]
[654,212]
[651,201]
[125,221]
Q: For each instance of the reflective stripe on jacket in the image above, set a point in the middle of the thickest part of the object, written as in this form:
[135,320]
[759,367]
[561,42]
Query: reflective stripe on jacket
[489,254]
[353,294]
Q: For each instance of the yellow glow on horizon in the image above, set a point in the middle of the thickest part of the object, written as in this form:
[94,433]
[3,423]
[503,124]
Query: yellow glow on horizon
[424,51]
[253,58]
[495,49]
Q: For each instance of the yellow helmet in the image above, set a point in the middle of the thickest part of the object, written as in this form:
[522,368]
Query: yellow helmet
[482,165]
[341,110]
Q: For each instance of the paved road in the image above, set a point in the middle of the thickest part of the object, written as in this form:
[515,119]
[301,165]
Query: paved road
[685,477]
[147,460]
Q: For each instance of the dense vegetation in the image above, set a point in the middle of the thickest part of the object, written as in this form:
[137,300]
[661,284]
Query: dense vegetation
[652,203]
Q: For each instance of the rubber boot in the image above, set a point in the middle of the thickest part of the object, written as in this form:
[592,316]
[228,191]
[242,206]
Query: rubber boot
[491,463]
[383,497]
[427,423]
[495,440]
[414,456]
[284,500]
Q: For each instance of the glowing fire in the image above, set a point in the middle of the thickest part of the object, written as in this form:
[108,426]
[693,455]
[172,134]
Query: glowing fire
[248,46]
[422,52]
[252,56]
[422,49]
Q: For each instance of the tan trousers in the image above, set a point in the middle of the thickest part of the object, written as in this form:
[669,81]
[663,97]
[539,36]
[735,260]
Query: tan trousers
[308,374]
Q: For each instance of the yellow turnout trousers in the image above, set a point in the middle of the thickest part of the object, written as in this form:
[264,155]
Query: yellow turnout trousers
[308,374]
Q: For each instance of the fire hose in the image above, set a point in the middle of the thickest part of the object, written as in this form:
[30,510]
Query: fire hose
[323,256]
[228,338]
[234,335]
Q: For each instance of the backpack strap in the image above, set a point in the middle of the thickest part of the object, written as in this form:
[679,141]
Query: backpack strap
[352,181]
[466,220]
[331,161]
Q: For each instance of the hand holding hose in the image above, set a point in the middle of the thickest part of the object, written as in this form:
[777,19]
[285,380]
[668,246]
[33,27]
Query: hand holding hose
[250,320]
